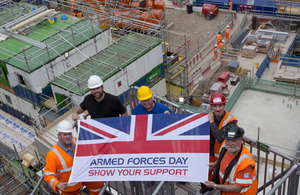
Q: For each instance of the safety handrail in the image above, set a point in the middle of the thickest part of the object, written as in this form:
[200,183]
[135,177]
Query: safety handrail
[160,185]
[37,185]
[281,182]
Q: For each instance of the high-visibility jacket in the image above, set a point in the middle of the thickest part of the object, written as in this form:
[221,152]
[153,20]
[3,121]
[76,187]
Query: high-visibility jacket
[227,33]
[222,47]
[215,50]
[230,5]
[246,159]
[226,119]
[58,168]
[219,38]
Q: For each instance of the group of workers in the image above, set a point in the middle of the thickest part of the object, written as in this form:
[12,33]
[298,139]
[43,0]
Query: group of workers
[220,43]
[99,104]
[233,165]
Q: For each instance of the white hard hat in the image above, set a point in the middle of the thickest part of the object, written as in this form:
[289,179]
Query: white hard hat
[64,127]
[227,26]
[94,82]
[223,41]
[216,45]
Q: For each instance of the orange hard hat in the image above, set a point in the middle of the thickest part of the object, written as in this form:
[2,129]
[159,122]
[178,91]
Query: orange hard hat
[217,98]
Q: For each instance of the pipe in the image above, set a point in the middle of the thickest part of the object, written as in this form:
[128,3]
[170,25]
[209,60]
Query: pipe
[30,20]
[158,187]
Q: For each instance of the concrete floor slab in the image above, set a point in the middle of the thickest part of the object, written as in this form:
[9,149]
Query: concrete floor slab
[275,115]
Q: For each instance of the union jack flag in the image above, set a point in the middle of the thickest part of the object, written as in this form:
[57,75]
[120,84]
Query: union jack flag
[159,133]
[169,147]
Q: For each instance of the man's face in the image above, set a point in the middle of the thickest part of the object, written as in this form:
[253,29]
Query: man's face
[233,145]
[65,138]
[97,92]
[218,110]
[148,104]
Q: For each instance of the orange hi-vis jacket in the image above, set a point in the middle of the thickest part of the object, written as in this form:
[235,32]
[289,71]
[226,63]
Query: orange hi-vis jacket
[215,50]
[226,119]
[219,38]
[230,5]
[227,33]
[58,168]
[222,46]
[250,183]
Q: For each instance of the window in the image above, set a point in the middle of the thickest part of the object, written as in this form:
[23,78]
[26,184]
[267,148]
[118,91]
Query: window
[8,99]
[21,79]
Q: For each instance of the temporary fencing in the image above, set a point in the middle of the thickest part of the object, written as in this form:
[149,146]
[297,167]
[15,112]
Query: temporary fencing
[257,84]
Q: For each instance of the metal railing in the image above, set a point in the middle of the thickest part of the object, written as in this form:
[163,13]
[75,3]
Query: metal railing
[292,176]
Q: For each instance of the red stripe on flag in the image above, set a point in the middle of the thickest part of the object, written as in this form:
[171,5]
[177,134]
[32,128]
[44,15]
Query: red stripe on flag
[97,130]
[197,116]
[140,131]
[162,146]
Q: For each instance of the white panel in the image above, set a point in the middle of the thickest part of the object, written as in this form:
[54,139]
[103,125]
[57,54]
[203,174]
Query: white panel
[144,64]
[76,99]
[123,80]
[13,79]
[20,104]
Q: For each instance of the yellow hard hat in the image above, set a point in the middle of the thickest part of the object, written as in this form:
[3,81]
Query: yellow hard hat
[51,21]
[144,93]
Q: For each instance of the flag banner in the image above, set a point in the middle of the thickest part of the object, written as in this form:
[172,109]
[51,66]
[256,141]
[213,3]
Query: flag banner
[159,147]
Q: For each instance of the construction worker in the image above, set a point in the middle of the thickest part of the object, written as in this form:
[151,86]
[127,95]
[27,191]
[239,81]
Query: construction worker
[222,49]
[218,119]
[215,52]
[227,32]
[219,39]
[234,172]
[77,13]
[99,104]
[147,104]
[230,5]
[59,162]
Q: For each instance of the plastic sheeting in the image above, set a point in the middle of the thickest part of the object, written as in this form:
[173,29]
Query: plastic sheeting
[21,137]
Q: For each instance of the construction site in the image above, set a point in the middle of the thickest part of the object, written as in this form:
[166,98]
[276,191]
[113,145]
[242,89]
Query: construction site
[49,49]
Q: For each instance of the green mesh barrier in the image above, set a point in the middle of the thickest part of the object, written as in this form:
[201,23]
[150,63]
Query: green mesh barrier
[249,83]
[256,84]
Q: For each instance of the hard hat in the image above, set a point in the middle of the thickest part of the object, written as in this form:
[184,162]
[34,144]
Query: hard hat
[94,82]
[216,46]
[222,41]
[51,20]
[233,132]
[144,93]
[64,127]
[227,26]
[217,98]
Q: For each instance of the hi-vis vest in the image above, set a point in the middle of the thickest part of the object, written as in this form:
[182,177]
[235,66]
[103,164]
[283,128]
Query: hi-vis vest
[219,38]
[227,31]
[245,160]
[58,168]
[226,119]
